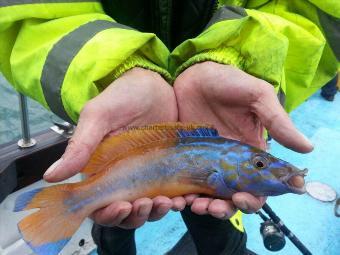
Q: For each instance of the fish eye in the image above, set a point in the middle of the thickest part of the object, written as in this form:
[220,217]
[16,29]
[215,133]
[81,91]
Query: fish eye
[259,162]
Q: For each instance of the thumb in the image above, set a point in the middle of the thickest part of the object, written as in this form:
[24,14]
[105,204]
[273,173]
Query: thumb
[278,123]
[90,131]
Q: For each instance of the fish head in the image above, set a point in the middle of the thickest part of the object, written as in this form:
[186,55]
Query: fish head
[264,174]
[261,174]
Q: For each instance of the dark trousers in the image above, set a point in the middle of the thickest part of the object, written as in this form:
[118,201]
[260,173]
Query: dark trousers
[329,90]
[211,236]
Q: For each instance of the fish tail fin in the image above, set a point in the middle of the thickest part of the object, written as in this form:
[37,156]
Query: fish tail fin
[50,228]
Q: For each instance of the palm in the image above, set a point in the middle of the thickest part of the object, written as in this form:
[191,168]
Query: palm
[139,97]
[237,123]
[224,101]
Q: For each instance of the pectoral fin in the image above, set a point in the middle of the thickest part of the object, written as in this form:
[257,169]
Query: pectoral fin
[196,176]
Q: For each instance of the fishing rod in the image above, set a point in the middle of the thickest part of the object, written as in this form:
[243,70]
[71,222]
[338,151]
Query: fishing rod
[273,231]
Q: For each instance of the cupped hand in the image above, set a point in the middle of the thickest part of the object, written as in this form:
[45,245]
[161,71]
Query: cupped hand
[240,106]
[139,97]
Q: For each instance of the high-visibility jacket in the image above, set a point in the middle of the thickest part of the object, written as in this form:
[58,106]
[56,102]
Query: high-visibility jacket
[62,53]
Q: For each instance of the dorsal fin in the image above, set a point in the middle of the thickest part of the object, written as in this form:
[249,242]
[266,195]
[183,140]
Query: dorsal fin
[112,147]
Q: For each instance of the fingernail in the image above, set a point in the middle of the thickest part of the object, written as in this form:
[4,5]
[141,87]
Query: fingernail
[181,208]
[143,211]
[244,206]
[178,209]
[51,169]
[124,211]
[307,140]
[163,209]
[221,216]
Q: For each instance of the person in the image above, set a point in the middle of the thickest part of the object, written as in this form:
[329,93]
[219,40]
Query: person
[107,65]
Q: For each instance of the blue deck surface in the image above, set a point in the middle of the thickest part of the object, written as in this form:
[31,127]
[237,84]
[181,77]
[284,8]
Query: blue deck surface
[312,221]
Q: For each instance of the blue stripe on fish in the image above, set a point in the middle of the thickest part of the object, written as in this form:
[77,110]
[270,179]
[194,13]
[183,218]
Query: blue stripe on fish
[198,132]
[209,145]
[24,199]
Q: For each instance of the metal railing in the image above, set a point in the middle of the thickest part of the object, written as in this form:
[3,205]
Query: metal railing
[64,128]
[26,141]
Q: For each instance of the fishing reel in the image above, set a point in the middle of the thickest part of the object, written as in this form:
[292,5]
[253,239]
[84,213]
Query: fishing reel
[274,231]
[273,237]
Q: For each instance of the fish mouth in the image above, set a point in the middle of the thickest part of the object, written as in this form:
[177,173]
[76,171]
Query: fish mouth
[295,181]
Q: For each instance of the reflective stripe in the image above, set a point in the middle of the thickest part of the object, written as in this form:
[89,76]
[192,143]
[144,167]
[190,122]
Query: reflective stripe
[331,28]
[4,3]
[60,58]
[227,13]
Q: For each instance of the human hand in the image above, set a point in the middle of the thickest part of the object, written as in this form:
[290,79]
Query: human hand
[240,106]
[138,97]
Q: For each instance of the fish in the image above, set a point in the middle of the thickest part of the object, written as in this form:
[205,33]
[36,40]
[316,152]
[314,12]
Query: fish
[171,159]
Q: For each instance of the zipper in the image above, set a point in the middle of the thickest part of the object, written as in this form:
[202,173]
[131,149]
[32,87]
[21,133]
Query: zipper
[214,7]
[161,20]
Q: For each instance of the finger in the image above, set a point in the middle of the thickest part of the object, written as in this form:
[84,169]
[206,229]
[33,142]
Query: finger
[222,209]
[190,198]
[90,131]
[178,203]
[140,213]
[161,206]
[200,205]
[113,214]
[271,114]
[248,203]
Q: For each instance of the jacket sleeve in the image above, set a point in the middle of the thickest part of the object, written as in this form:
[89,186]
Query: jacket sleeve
[63,53]
[284,44]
